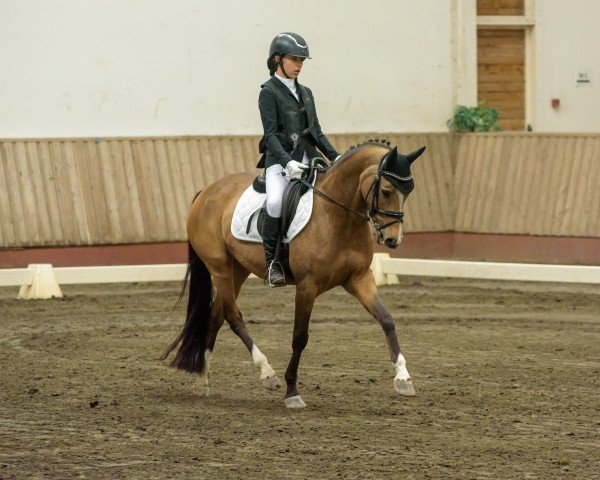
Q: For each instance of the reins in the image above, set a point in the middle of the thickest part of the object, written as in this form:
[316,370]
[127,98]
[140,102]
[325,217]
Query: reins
[321,193]
[398,217]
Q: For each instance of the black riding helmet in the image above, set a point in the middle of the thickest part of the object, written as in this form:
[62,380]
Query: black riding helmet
[286,43]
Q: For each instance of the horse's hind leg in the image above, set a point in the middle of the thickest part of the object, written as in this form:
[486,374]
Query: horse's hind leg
[228,291]
[363,287]
[215,324]
[217,318]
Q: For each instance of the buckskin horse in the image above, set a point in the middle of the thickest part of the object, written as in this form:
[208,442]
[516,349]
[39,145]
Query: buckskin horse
[369,184]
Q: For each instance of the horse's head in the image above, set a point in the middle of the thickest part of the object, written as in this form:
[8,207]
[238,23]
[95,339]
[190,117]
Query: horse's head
[385,189]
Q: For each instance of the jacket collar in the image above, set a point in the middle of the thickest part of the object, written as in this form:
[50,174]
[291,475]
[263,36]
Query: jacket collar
[288,82]
[284,87]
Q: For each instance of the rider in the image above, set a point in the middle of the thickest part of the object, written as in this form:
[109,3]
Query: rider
[292,135]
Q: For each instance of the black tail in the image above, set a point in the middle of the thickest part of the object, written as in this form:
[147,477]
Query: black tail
[192,338]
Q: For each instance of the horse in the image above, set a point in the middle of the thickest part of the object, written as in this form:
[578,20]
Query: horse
[366,187]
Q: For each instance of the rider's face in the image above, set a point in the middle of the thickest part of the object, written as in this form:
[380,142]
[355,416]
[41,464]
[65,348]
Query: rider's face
[292,66]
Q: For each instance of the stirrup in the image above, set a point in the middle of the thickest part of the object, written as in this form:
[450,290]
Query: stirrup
[277,280]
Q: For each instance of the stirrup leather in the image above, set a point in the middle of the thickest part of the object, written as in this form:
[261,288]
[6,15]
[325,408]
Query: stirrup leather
[278,279]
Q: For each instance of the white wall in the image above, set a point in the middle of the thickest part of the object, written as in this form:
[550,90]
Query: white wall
[72,68]
[567,39]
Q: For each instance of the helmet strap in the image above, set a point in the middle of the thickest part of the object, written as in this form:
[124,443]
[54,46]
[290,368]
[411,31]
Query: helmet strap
[284,72]
[280,64]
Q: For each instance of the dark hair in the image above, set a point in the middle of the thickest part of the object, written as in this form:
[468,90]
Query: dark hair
[272,64]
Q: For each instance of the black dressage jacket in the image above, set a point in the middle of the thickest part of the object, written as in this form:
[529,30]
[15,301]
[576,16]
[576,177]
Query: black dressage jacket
[291,126]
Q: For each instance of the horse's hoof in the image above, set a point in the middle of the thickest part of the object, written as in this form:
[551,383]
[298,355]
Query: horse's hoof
[204,391]
[295,402]
[404,387]
[271,383]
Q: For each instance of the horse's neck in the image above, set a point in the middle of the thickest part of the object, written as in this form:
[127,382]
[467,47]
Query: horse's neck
[342,182]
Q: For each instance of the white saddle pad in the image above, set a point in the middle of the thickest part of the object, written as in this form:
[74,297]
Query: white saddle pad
[251,201]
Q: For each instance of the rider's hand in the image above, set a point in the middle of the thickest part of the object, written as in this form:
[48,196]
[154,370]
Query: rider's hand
[295,169]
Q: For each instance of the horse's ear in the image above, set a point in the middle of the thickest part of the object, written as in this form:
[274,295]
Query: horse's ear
[411,157]
[390,159]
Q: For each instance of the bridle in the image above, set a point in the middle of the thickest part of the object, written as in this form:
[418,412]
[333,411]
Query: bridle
[398,217]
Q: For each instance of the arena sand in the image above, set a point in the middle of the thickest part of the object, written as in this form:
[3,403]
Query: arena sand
[506,374]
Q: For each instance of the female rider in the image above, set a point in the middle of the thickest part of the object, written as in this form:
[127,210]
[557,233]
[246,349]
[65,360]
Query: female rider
[292,135]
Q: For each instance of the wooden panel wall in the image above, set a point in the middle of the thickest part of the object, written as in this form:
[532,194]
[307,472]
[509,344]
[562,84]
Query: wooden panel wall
[87,192]
[532,184]
[84,192]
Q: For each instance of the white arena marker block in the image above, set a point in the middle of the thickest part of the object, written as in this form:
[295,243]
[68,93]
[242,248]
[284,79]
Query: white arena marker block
[44,284]
[382,278]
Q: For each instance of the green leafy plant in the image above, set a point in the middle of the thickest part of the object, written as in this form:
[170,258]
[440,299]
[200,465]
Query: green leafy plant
[474,119]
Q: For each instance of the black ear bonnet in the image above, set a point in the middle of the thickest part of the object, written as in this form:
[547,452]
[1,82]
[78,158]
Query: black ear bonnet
[396,169]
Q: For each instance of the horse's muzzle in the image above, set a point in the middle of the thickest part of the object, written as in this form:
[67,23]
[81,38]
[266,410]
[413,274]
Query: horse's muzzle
[391,243]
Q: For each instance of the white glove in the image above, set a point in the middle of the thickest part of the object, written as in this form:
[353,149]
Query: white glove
[294,169]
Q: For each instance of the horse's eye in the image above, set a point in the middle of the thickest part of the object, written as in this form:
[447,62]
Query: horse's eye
[386,193]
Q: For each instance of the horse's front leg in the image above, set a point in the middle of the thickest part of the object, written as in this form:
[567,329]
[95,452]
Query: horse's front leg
[363,287]
[305,299]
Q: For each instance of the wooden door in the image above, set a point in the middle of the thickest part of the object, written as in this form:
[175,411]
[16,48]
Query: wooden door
[501,64]
[500,7]
[501,74]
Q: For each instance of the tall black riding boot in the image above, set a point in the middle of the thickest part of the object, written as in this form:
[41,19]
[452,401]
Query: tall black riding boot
[271,230]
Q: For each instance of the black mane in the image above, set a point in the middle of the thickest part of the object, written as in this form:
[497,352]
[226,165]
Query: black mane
[376,142]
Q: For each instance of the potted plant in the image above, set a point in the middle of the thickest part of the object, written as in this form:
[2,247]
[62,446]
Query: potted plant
[474,119]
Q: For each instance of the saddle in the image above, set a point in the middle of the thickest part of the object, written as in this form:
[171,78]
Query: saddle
[291,195]
[250,209]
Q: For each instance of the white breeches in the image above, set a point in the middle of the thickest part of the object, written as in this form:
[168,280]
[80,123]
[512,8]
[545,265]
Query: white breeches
[276,182]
